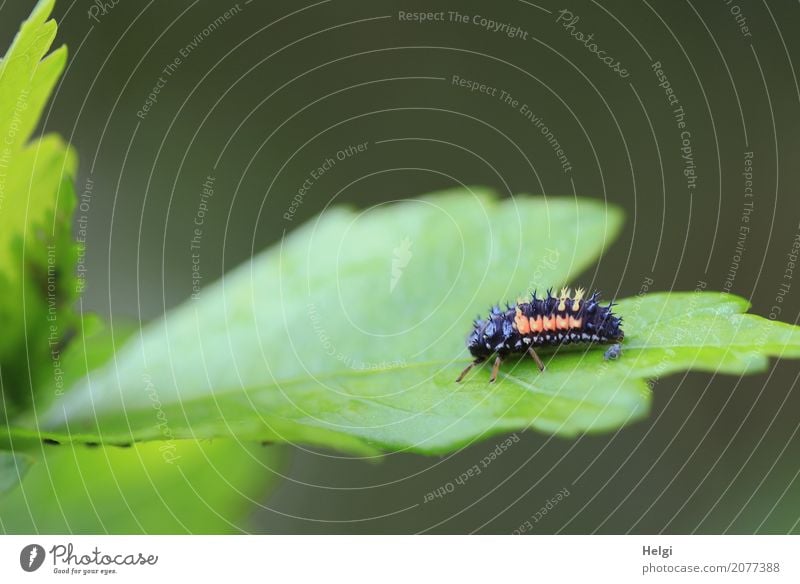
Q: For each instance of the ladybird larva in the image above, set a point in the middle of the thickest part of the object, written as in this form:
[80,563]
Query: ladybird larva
[550,321]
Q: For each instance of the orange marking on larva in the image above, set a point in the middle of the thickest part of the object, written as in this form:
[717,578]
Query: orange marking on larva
[574,323]
[523,326]
[562,323]
[549,323]
[536,324]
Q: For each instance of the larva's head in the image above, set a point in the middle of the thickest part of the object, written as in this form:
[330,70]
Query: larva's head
[489,335]
[604,323]
[476,343]
[612,329]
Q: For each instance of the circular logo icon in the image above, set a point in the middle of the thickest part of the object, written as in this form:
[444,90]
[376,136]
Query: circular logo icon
[31,557]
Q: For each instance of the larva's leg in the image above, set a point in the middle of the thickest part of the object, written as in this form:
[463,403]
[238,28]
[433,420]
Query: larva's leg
[467,369]
[495,368]
[536,358]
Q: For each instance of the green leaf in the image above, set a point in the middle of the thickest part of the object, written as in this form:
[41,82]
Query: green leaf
[704,331]
[159,487]
[37,252]
[12,470]
[350,334]
[27,78]
[184,487]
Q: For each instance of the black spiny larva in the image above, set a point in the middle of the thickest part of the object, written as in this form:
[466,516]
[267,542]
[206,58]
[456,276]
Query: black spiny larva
[550,321]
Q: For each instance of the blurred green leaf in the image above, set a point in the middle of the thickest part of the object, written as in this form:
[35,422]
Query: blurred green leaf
[27,78]
[183,487]
[350,333]
[12,470]
[37,251]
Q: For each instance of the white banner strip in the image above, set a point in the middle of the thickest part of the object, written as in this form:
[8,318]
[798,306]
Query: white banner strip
[401,559]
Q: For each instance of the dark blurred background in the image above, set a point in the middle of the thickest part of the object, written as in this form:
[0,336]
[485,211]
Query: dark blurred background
[276,87]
